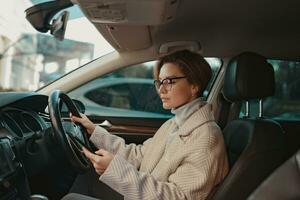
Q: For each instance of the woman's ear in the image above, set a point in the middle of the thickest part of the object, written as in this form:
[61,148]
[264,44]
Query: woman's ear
[195,90]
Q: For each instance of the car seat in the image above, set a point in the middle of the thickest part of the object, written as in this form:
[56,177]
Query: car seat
[255,146]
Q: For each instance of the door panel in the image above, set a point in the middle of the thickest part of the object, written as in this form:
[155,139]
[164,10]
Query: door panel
[133,130]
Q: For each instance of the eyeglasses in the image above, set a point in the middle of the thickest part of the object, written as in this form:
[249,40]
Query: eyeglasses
[167,82]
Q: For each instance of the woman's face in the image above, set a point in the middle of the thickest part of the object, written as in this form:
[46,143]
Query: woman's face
[179,92]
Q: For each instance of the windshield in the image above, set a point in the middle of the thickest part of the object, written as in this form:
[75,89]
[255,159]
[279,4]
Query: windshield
[30,60]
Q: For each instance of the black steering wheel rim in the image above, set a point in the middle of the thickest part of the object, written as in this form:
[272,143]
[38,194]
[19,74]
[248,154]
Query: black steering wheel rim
[74,155]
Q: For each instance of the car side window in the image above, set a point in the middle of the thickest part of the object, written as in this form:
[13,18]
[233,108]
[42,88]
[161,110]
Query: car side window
[285,104]
[124,95]
[128,92]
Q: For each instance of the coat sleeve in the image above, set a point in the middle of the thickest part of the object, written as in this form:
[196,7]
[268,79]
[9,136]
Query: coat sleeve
[194,178]
[133,153]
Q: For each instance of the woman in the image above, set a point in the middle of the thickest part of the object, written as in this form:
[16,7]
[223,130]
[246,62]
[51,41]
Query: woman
[185,159]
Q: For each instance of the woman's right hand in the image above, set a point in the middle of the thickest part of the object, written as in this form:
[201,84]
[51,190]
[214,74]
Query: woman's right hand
[85,122]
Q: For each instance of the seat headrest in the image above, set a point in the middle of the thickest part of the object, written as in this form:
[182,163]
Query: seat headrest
[248,76]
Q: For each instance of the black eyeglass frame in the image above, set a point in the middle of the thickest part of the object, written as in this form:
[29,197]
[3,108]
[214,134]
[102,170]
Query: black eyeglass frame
[170,81]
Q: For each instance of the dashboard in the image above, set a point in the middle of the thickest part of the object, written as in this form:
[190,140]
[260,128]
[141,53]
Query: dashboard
[23,122]
[30,151]
[7,166]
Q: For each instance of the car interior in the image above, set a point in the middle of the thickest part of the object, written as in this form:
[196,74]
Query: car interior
[257,46]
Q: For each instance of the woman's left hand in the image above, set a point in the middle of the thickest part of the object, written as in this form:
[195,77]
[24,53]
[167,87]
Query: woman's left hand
[100,159]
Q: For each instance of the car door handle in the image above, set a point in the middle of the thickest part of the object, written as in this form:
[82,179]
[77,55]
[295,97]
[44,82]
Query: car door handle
[106,124]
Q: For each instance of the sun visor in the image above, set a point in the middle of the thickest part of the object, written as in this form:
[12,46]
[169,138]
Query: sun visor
[126,37]
[129,12]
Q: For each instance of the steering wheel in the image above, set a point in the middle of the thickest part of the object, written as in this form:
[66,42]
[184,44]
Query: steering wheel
[68,134]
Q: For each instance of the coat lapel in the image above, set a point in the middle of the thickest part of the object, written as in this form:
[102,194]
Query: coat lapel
[198,118]
[154,155]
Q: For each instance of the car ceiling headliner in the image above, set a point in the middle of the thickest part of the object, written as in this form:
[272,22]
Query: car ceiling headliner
[226,28]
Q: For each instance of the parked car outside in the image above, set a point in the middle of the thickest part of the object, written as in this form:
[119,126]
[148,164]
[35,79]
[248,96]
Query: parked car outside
[124,97]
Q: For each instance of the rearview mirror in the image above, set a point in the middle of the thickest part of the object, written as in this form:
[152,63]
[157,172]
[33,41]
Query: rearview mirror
[58,26]
[42,14]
